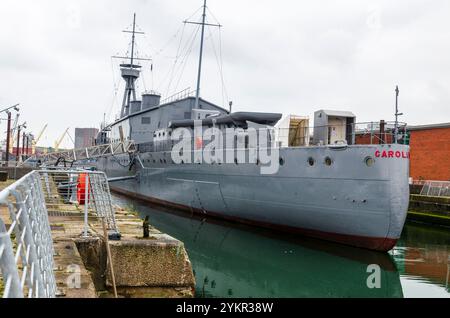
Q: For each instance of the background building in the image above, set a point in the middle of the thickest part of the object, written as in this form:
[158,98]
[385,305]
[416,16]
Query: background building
[430,152]
[85,137]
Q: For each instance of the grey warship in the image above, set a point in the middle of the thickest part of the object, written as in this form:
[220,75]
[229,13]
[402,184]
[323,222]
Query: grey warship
[326,186]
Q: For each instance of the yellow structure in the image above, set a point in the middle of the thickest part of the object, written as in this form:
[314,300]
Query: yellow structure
[58,142]
[35,141]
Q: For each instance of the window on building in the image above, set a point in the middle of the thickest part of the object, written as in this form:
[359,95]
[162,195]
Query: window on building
[146,120]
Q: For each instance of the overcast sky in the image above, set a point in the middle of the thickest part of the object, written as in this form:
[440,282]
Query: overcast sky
[287,56]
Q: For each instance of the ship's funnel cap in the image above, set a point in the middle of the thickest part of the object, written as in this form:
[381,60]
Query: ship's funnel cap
[150,99]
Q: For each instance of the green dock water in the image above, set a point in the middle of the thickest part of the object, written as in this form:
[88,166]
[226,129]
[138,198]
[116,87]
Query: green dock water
[238,261]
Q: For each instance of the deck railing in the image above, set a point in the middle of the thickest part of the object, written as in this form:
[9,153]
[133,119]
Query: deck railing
[359,133]
[354,133]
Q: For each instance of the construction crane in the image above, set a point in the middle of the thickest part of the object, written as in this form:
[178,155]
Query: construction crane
[71,139]
[58,142]
[35,141]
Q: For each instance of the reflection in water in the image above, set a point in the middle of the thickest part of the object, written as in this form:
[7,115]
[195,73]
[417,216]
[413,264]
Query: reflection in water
[236,261]
[423,257]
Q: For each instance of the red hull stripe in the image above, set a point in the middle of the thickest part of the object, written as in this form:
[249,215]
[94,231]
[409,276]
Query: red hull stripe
[372,243]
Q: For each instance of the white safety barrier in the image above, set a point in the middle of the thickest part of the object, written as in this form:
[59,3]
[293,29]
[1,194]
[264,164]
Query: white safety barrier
[26,246]
[435,188]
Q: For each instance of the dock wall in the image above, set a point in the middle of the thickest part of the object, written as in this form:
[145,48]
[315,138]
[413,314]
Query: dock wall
[428,209]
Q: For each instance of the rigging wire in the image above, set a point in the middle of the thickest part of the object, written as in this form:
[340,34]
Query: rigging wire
[137,47]
[187,50]
[212,14]
[220,65]
[172,71]
[217,61]
[143,82]
[200,8]
[224,87]
[157,53]
[175,61]
[114,102]
[172,39]
[188,54]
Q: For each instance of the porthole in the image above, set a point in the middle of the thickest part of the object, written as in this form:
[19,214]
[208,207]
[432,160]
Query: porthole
[281,162]
[328,161]
[311,161]
[369,161]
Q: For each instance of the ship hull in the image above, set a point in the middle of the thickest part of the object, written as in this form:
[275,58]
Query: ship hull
[347,202]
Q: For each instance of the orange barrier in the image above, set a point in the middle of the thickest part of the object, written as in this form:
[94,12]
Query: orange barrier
[81,188]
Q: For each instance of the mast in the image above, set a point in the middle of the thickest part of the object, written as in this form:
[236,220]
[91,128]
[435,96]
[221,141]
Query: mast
[133,38]
[197,95]
[397,114]
[130,85]
[8,138]
[200,60]
[130,72]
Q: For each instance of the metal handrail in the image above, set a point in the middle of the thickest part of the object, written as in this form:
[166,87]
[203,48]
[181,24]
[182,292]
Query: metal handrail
[178,96]
[90,152]
[356,129]
[434,188]
[300,137]
[63,182]
[26,246]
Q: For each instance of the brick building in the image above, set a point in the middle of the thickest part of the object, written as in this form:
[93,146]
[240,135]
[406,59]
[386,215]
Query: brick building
[85,137]
[430,152]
